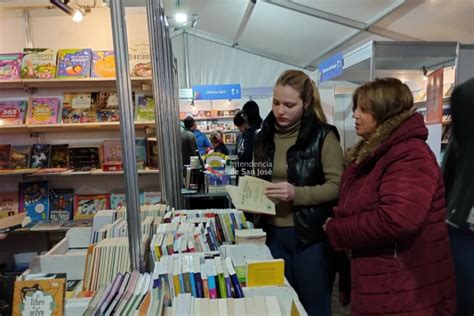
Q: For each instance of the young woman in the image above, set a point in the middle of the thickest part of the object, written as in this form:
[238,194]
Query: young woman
[300,154]
[391,210]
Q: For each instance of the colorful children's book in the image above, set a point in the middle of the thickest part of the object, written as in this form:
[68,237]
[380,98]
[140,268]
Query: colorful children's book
[152,197]
[79,108]
[59,156]
[86,206]
[8,204]
[40,155]
[107,106]
[112,155]
[61,204]
[103,64]
[12,112]
[74,63]
[117,200]
[140,145]
[34,200]
[43,111]
[38,63]
[20,157]
[140,61]
[5,156]
[39,297]
[10,65]
[152,153]
[144,108]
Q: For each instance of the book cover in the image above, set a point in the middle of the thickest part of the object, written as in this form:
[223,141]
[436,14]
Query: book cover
[5,156]
[140,145]
[59,156]
[43,111]
[265,272]
[152,153]
[8,204]
[117,200]
[152,197]
[61,204]
[10,65]
[13,112]
[107,106]
[39,297]
[144,108]
[79,108]
[86,206]
[103,64]
[34,200]
[74,63]
[140,61]
[112,151]
[84,158]
[40,155]
[38,63]
[20,157]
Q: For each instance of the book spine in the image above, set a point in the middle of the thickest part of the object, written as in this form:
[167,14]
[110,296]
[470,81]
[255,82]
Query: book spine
[193,284]
[199,285]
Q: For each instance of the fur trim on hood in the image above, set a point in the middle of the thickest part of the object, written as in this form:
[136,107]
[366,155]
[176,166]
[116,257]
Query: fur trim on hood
[365,147]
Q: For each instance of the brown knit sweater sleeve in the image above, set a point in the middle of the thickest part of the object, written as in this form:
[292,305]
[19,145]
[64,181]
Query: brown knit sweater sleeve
[333,165]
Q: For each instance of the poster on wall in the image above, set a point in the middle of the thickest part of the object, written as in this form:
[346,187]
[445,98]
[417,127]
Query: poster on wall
[434,97]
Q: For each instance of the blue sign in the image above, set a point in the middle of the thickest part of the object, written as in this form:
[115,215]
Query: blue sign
[217,92]
[331,67]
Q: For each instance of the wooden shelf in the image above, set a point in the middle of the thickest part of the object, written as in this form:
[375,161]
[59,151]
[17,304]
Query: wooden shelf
[83,83]
[72,127]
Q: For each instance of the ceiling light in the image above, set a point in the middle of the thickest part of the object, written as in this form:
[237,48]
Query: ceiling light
[78,15]
[181,18]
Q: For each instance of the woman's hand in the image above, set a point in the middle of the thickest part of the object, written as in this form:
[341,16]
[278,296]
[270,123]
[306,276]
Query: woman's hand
[326,222]
[282,191]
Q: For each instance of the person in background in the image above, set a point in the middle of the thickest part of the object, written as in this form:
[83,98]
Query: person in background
[218,143]
[251,114]
[202,141]
[300,154]
[458,168]
[242,125]
[188,141]
[390,213]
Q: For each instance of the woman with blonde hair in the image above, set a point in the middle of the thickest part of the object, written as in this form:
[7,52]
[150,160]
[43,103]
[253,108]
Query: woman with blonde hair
[391,210]
[300,154]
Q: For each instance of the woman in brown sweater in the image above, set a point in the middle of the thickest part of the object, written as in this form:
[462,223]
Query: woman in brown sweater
[300,154]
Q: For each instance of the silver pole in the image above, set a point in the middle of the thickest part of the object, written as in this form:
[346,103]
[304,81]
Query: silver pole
[28,39]
[167,111]
[186,60]
[372,63]
[127,132]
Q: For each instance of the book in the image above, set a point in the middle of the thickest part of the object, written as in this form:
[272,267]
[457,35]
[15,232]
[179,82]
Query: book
[86,206]
[103,64]
[112,153]
[7,224]
[249,196]
[10,65]
[250,236]
[79,108]
[40,155]
[34,200]
[43,111]
[5,156]
[140,145]
[20,157]
[151,197]
[8,204]
[152,153]
[13,112]
[107,106]
[74,63]
[84,158]
[140,60]
[144,108]
[117,200]
[59,156]
[38,63]
[265,272]
[61,204]
[39,297]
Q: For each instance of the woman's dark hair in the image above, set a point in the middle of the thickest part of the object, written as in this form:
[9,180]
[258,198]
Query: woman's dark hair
[252,113]
[239,119]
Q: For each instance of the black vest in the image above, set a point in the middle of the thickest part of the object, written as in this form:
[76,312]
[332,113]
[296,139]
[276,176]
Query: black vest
[303,169]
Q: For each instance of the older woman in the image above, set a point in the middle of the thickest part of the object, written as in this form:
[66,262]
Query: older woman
[391,210]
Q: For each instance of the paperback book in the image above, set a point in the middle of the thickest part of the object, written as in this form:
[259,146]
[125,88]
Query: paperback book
[152,153]
[38,63]
[5,156]
[84,158]
[103,64]
[20,157]
[40,155]
[8,204]
[13,112]
[61,204]
[86,206]
[59,156]
[144,108]
[34,200]
[140,145]
[43,111]
[140,61]
[74,63]
[79,108]
[107,107]
[10,65]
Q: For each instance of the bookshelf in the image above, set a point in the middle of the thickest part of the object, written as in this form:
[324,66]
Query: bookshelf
[212,118]
[70,127]
[69,173]
[141,83]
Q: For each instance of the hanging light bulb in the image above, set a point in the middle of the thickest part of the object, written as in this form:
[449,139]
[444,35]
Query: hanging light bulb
[77,15]
[181,18]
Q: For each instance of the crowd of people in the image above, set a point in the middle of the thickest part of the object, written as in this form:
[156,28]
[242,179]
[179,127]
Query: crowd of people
[397,229]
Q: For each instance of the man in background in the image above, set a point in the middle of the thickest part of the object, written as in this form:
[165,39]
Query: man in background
[202,141]
[188,141]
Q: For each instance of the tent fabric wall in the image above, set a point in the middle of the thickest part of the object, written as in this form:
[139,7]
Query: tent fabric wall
[213,63]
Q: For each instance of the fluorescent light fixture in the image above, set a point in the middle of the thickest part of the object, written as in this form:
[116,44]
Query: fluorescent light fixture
[181,17]
[77,16]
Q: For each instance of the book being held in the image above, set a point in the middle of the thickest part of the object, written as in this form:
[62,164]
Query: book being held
[249,196]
